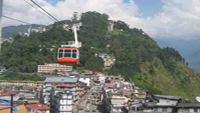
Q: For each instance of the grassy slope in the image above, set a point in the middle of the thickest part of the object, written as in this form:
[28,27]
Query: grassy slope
[184,83]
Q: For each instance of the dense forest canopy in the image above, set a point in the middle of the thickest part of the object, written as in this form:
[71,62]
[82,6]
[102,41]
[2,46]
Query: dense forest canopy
[138,57]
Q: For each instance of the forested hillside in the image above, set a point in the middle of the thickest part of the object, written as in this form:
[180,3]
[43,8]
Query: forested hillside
[138,57]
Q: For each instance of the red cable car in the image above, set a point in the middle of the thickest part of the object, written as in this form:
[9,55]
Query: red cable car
[69,54]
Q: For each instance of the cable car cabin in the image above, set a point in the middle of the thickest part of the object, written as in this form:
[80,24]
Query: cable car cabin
[68,56]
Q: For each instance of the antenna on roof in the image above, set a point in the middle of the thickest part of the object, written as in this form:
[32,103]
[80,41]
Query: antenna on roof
[198,99]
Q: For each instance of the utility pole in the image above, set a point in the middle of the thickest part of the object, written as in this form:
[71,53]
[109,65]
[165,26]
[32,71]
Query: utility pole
[11,103]
[1,13]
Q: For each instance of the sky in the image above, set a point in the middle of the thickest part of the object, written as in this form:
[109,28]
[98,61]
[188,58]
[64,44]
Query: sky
[168,19]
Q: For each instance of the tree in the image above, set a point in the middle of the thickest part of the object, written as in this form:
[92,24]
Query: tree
[94,63]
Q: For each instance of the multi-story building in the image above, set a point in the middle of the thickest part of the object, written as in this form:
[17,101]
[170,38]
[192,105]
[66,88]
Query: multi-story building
[54,68]
[66,83]
[61,101]
[21,83]
[72,88]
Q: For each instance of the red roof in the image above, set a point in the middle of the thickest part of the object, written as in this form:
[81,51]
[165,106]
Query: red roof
[127,92]
[66,85]
[109,85]
[87,71]
[37,107]
[97,72]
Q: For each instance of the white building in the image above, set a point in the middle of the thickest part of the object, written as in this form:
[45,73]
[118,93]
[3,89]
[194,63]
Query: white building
[61,101]
[2,69]
[166,104]
[54,68]
[85,79]
[10,40]
[65,83]
[110,25]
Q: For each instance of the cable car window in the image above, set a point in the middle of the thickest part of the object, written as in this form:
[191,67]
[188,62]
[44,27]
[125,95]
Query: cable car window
[67,54]
[74,55]
[60,55]
[60,50]
[68,51]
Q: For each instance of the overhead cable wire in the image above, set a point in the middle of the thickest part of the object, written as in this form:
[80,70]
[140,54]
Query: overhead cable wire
[45,11]
[39,11]
[16,19]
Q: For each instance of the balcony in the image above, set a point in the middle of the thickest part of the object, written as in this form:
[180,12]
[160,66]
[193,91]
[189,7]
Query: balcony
[65,108]
[65,102]
[64,96]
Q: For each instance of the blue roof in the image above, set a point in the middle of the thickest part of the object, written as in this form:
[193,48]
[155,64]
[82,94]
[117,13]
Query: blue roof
[6,102]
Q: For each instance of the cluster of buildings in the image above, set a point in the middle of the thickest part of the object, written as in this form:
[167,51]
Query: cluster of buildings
[9,39]
[29,92]
[36,30]
[118,95]
[31,108]
[62,93]
[170,104]
[27,98]
[58,94]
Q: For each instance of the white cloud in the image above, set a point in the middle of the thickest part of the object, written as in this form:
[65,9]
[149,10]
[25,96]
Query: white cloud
[178,18]
[64,10]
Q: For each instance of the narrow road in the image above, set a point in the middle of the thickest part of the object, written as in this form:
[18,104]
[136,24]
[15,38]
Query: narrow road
[88,102]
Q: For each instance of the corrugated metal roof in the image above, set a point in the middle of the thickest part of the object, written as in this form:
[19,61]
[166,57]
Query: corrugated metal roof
[188,105]
[60,79]
[167,97]
[66,85]
[15,98]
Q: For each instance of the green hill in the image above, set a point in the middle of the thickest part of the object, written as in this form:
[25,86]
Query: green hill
[138,57]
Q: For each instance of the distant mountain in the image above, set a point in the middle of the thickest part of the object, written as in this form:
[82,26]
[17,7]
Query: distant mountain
[9,31]
[189,49]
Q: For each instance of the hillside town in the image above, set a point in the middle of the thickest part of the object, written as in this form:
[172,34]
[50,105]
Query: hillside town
[95,62]
[68,91]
